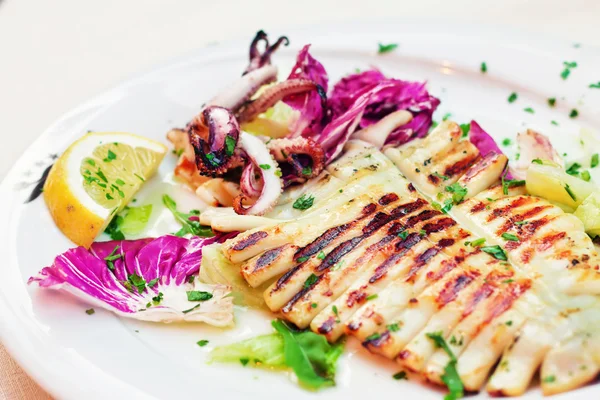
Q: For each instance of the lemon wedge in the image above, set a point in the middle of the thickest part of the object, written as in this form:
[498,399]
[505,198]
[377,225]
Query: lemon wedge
[95,178]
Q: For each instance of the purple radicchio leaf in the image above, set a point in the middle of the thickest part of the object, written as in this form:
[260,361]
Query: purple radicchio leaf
[369,96]
[145,279]
[312,105]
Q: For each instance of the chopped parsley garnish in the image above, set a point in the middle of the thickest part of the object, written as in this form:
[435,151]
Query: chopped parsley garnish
[552,101]
[191,309]
[265,166]
[446,116]
[189,225]
[423,232]
[112,257]
[553,122]
[513,97]
[191,279]
[570,192]
[495,251]
[158,298]
[573,169]
[458,192]
[372,296]
[202,343]
[508,323]
[521,223]
[244,361]
[595,161]
[549,379]
[304,202]
[314,305]
[301,259]
[506,142]
[336,313]
[91,162]
[529,110]
[537,161]
[508,183]
[448,203]
[140,178]
[134,280]
[321,255]
[310,281]
[152,282]
[211,159]
[477,242]
[373,336]
[510,237]
[465,128]
[229,145]
[197,295]
[567,71]
[574,113]
[403,235]
[386,48]
[595,85]
[307,171]
[585,175]
[450,376]
[90,311]
[393,327]
[483,67]
[400,375]
[110,156]
[438,175]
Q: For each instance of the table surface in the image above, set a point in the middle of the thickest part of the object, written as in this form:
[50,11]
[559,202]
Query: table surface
[56,54]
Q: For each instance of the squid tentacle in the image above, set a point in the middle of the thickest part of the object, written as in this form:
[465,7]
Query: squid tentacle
[276,93]
[258,59]
[296,152]
[214,135]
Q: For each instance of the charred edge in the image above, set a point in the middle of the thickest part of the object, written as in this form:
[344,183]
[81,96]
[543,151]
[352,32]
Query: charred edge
[446,266]
[461,166]
[368,209]
[356,297]
[528,230]
[420,261]
[482,293]
[549,240]
[434,180]
[453,287]
[286,277]
[511,223]
[267,258]
[402,247]
[504,300]
[506,210]
[305,289]
[422,216]
[354,326]
[409,208]
[478,207]
[411,188]
[250,240]
[340,251]
[480,166]
[439,225]
[323,241]
[377,342]
[326,326]
[388,198]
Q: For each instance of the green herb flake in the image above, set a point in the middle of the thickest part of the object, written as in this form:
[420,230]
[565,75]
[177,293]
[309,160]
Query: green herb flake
[483,67]
[595,160]
[519,223]
[372,296]
[386,48]
[529,110]
[307,171]
[393,327]
[140,177]
[465,128]
[495,251]
[202,343]
[244,361]
[301,259]
[573,169]
[191,309]
[442,177]
[314,305]
[373,336]
[423,233]
[595,85]
[310,281]
[321,255]
[229,145]
[265,166]
[513,97]
[458,192]
[403,235]
[570,192]
[549,379]
[477,242]
[537,161]
[450,376]
[509,183]
[510,237]
[552,101]
[506,142]
[574,113]
[554,123]
[446,116]
[197,295]
[400,375]
[90,311]
[585,175]
[304,202]
[508,323]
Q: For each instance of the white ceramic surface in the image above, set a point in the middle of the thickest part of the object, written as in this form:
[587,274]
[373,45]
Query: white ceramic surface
[76,356]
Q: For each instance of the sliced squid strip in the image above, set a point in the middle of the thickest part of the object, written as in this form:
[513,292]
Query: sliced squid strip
[269,265]
[520,360]
[486,172]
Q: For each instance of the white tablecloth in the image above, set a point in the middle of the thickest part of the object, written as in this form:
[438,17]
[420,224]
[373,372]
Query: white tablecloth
[55,54]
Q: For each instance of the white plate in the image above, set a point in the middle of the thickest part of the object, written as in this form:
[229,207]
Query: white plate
[77,356]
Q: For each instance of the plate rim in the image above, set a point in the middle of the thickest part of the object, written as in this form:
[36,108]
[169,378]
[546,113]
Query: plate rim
[60,385]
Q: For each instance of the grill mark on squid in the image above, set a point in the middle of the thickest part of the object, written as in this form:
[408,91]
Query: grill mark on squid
[453,287]
[461,166]
[267,258]
[506,210]
[251,240]
[511,223]
[527,231]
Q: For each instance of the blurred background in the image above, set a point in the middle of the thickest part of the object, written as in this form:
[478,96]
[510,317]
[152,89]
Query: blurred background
[56,54]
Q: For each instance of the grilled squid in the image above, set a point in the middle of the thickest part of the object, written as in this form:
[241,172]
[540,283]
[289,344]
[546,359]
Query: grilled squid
[214,135]
[258,59]
[305,157]
[262,163]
